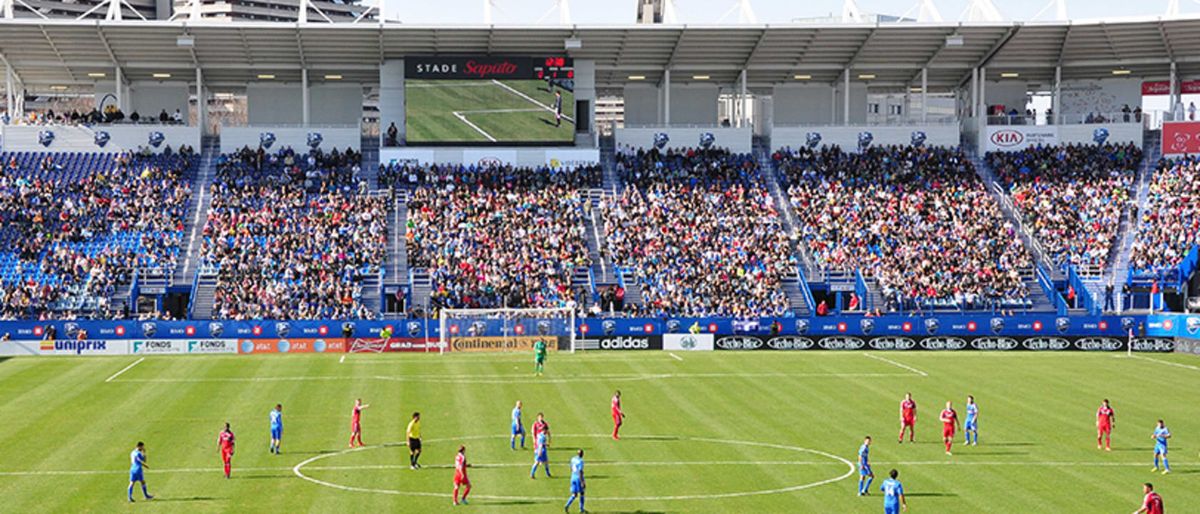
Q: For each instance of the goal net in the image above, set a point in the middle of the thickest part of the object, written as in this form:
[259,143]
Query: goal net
[506,330]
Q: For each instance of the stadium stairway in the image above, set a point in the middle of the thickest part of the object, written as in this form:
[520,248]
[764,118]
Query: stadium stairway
[397,257]
[608,162]
[1118,268]
[201,180]
[602,269]
[202,295]
[1039,302]
[633,289]
[370,160]
[422,288]
[791,284]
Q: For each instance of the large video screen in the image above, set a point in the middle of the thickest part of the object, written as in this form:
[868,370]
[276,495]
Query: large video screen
[489,100]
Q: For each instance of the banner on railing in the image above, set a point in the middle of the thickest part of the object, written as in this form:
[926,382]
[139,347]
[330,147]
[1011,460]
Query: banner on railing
[1180,137]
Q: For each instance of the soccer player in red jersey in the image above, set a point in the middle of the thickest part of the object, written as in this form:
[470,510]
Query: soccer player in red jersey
[908,418]
[540,426]
[617,414]
[1106,417]
[949,426]
[1152,503]
[460,475]
[356,423]
[225,442]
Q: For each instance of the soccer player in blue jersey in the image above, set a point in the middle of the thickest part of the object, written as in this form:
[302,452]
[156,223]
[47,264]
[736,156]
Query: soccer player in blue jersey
[865,476]
[541,455]
[577,483]
[517,428]
[137,465]
[971,427]
[276,428]
[1161,434]
[893,494]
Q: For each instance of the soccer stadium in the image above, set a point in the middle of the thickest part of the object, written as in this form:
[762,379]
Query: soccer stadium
[520,256]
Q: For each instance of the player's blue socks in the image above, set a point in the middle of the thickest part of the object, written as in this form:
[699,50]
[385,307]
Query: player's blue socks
[145,492]
[130,492]
[572,500]
[1166,467]
[512,442]
[1156,461]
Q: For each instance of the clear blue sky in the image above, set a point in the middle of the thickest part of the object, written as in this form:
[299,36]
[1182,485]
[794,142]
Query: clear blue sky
[768,11]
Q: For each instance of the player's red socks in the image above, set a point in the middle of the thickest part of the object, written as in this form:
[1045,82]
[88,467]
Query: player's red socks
[948,444]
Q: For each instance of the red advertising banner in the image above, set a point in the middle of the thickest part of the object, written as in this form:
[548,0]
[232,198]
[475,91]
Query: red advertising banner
[1163,87]
[395,344]
[300,345]
[1180,137]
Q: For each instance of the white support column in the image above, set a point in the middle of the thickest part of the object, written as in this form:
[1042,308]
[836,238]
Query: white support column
[666,97]
[983,105]
[846,97]
[201,103]
[833,103]
[1171,101]
[907,103]
[8,89]
[924,95]
[304,98]
[975,93]
[120,90]
[1056,100]
[741,104]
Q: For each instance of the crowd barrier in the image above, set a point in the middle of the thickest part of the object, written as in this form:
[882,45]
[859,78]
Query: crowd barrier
[951,332]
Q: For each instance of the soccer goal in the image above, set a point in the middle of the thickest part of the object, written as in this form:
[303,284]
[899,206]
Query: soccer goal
[506,330]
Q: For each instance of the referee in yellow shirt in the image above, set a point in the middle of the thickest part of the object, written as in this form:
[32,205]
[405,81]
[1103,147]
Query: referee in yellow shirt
[414,441]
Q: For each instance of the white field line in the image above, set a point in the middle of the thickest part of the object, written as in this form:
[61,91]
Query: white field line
[342,360]
[530,99]
[897,364]
[525,465]
[1167,363]
[126,368]
[474,126]
[676,357]
[499,111]
[504,379]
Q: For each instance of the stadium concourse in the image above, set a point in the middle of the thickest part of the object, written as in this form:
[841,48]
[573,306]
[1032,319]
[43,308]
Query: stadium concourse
[773,233]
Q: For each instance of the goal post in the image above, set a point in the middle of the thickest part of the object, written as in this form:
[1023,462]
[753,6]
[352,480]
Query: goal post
[506,330]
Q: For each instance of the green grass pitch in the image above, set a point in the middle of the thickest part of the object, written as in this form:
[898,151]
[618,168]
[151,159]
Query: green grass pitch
[706,432]
[508,111]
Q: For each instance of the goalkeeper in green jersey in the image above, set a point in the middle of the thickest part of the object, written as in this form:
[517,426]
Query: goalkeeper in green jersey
[539,355]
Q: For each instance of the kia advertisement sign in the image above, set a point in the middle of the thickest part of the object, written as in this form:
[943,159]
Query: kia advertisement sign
[646,342]
[485,67]
[1180,137]
[1018,137]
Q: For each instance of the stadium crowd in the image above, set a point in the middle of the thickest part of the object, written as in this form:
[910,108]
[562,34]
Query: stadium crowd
[702,236]
[1071,197]
[500,236]
[73,236]
[291,235]
[1170,223]
[916,219]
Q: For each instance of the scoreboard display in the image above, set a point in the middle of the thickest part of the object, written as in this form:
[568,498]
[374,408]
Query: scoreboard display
[490,100]
[489,68]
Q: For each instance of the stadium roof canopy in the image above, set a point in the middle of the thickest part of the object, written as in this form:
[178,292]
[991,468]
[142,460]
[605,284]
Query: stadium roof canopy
[46,53]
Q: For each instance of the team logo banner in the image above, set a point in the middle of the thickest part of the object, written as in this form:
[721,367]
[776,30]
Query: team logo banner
[864,140]
[266,139]
[918,138]
[156,139]
[1100,135]
[812,139]
[315,139]
[46,137]
[661,139]
[101,138]
[707,139]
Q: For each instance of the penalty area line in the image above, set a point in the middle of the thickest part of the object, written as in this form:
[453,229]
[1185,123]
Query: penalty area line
[126,368]
[464,119]
[897,364]
[676,357]
[342,360]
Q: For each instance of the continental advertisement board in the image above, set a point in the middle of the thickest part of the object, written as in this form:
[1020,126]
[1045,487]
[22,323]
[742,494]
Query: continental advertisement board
[499,344]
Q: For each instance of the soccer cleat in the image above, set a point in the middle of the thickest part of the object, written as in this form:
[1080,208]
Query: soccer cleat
[148,497]
[131,500]
[1098,447]
[1165,471]
[1154,469]
[1108,449]
[465,502]
[948,453]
